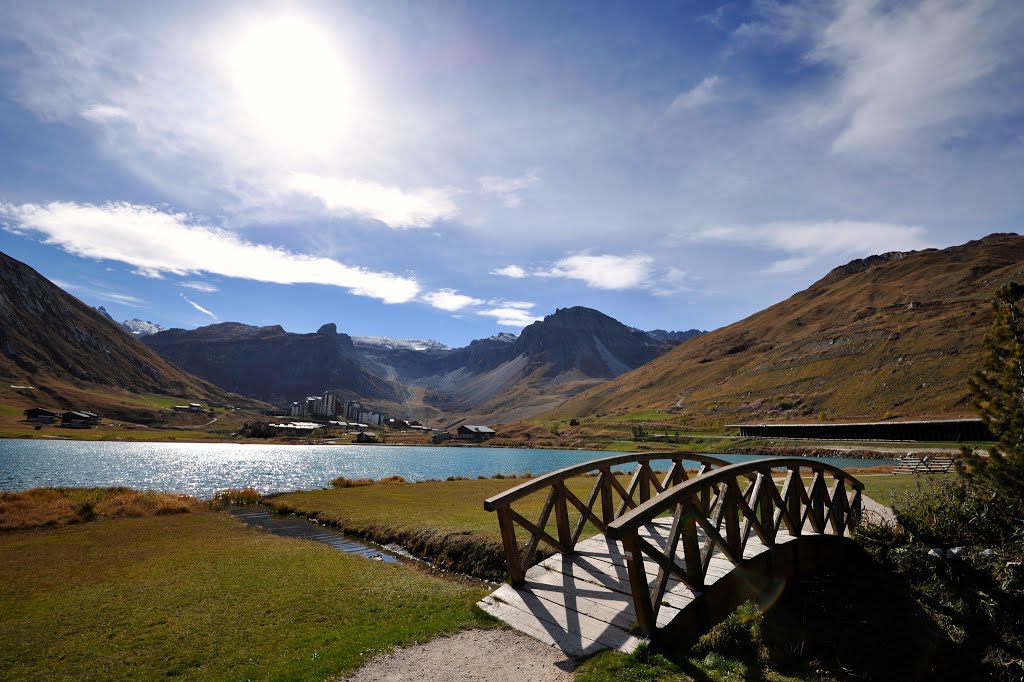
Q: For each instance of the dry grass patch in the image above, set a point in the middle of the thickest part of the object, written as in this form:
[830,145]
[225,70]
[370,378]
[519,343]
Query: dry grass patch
[49,507]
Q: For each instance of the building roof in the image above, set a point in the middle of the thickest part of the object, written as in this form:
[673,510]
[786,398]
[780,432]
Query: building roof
[80,415]
[839,423]
[477,428]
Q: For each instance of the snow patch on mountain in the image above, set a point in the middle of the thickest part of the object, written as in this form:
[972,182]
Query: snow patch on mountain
[398,344]
[137,327]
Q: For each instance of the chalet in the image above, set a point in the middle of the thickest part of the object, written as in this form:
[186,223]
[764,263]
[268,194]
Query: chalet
[475,433]
[366,437]
[79,419]
[195,407]
[40,415]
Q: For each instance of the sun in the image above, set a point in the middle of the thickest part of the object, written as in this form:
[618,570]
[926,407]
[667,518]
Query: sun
[291,83]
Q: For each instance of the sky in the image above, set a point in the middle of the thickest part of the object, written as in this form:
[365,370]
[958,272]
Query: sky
[450,170]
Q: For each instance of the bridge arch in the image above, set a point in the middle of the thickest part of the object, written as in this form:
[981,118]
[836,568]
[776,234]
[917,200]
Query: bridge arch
[760,509]
[678,560]
[614,498]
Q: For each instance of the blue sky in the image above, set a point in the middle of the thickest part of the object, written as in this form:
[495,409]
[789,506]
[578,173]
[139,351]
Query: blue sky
[451,170]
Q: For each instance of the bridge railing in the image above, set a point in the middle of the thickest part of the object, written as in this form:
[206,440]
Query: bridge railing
[720,511]
[608,500]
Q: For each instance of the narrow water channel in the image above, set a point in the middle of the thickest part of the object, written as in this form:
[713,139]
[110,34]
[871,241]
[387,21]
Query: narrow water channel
[291,526]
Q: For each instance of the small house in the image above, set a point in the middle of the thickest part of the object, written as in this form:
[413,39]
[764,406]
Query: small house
[440,437]
[79,419]
[366,437]
[475,433]
[40,415]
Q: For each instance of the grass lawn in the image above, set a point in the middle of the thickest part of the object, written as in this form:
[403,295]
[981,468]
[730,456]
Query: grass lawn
[882,488]
[199,596]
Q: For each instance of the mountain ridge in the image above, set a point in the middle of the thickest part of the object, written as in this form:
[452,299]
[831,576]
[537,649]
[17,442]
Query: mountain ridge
[889,336]
[67,353]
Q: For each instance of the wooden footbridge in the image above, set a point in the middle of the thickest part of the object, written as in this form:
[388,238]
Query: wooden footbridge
[675,552]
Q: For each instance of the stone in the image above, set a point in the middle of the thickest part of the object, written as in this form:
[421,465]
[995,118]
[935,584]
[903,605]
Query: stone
[956,552]
[936,554]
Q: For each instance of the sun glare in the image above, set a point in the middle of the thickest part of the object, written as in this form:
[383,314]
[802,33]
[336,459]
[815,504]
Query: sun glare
[291,83]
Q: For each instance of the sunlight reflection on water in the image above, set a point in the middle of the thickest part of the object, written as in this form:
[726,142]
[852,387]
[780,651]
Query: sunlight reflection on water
[201,469]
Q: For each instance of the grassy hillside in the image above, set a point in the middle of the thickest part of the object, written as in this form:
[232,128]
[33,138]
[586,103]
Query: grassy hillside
[58,352]
[892,336]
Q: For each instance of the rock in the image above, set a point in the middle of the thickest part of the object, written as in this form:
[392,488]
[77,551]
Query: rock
[987,554]
[956,552]
[936,554]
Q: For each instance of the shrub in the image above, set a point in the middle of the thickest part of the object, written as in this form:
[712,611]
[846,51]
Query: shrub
[342,482]
[237,496]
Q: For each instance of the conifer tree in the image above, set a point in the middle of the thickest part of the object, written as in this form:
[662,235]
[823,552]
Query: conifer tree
[998,389]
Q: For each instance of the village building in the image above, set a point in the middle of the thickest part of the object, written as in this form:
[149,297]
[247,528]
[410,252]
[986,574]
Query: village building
[40,415]
[79,419]
[475,433]
[440,437]
[295,428]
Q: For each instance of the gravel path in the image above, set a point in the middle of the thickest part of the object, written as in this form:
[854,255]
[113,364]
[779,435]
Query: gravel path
[498,655]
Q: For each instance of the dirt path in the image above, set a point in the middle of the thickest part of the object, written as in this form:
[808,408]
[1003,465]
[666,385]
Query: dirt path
[498,655]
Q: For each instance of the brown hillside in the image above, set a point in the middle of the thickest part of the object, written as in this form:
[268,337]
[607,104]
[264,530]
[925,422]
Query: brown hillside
[56,351]
[889,336]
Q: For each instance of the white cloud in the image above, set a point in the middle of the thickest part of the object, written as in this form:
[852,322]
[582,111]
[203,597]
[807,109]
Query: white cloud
[509,190]
[916,69]
[513,271]
[604,272]
[511,314]
[199,307]
[673,281]
[104,113]
[808,242]
[392,206]
[100,293]
[204,287]
[172,243]
[696,97]
[903,74]
[449,299]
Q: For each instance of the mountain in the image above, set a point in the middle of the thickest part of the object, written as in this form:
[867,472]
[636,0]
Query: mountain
[388,343]
[271,364]
[890,336]
[135,326]
[72,356]
[507,377]
[139,328]
[674,338]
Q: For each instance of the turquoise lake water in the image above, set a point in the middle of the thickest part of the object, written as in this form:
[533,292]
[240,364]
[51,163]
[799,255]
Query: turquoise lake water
[201,469]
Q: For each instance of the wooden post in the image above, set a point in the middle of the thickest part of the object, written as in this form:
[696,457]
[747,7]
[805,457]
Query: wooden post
[794,501]
[732,517]
[764,506]
[562,518]
[607,503]
[516,574]
[645,619]
[818,499]
[691,547]
[645,481]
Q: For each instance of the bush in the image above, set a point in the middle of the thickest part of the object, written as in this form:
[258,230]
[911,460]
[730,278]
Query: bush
[237,496]
[949,513]
[342,482]
[739,636]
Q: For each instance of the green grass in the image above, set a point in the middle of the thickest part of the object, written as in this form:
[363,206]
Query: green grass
[882,488]
[199,596]
[444,506]
[612,666]
[9,411]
